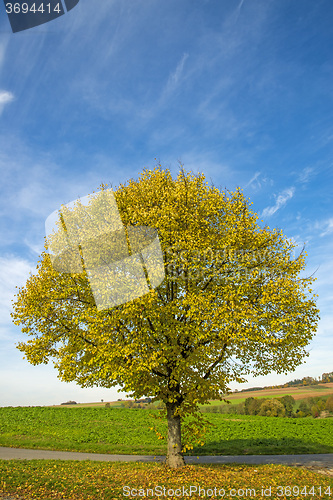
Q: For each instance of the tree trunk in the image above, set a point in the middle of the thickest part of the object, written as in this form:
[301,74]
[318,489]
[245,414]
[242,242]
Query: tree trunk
[175,457]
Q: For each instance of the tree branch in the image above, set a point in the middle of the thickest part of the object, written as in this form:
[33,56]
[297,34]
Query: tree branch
[216,362]
[68,329]
[158,373]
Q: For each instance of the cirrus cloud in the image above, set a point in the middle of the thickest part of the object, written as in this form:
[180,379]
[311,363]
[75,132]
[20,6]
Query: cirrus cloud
[5,98]
[281,200]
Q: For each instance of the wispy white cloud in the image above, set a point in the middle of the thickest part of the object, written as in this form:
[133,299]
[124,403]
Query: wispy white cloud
[240,5]
[258,181]
[305,175]
[175,77]
[328,227]
[36,248]
[14,271]
[281,200]
[253,179]
[322,227]
[238,9]
[5,98]
[33,185]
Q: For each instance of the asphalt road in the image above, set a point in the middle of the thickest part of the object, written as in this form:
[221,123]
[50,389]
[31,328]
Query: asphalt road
[325,460]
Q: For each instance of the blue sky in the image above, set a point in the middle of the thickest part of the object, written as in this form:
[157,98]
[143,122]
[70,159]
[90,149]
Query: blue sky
[241,90]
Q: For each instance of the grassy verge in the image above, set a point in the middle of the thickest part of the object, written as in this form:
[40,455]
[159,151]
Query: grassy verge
[125,431]
[72,480]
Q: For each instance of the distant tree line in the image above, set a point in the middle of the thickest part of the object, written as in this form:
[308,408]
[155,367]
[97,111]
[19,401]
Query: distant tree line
[142,403]
[277,407]
[326,377]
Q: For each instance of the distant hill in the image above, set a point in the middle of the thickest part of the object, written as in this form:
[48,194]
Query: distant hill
[326,377]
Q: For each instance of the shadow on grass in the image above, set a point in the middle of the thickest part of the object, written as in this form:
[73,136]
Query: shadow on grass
[269,446]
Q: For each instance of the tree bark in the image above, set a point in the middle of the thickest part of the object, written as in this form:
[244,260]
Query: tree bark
[175,457]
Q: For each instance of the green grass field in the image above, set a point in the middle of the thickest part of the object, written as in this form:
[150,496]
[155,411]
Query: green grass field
[127,431]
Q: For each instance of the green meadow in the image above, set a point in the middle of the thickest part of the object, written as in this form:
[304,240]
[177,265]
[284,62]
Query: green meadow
[127,431]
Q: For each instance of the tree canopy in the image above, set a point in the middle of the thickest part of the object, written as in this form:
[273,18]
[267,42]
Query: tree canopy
[233,302]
